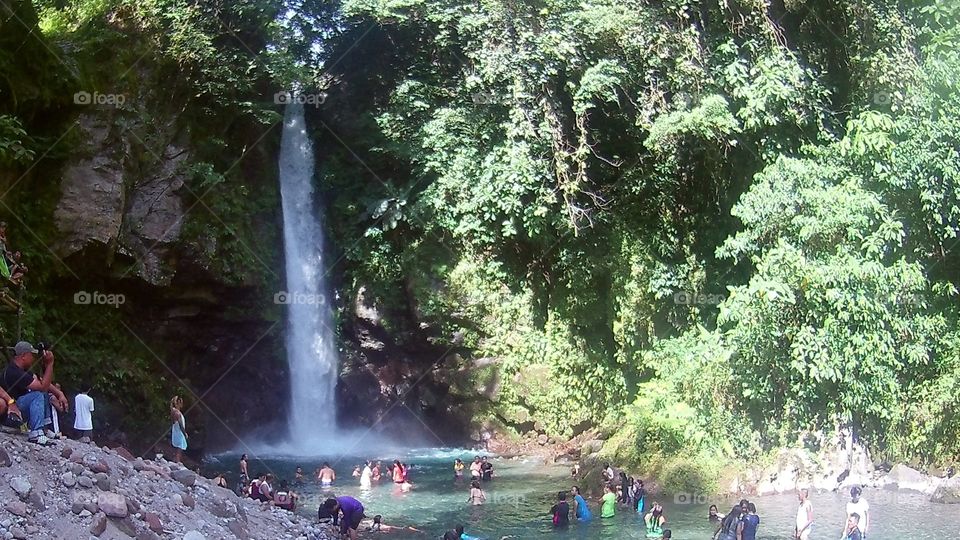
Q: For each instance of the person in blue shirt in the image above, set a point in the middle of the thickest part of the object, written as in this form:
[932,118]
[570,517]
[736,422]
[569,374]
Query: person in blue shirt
[580,509]
[749,523]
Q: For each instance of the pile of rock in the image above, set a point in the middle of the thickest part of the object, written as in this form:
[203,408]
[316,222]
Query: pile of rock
[75,490]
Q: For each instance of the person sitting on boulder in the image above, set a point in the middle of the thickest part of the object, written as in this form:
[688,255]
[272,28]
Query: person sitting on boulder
[266,490]
[32,394]
[220,481]
[285,498]
[255,486]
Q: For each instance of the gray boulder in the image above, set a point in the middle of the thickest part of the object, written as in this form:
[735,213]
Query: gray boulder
[112,504]
[948,492]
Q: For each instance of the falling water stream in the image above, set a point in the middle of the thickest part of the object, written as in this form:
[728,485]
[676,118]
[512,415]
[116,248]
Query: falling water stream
[311,354]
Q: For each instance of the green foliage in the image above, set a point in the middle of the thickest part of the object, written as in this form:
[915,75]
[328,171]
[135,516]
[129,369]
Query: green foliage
[14,141]
[678,211]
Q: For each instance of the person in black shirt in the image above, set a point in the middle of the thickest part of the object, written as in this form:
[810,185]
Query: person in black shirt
[486,469]
[32,394]
[561,511]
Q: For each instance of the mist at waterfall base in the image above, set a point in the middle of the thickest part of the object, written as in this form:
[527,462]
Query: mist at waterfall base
[309,336]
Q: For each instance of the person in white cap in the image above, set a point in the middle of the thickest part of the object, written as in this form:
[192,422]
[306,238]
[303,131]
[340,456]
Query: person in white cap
[32,394]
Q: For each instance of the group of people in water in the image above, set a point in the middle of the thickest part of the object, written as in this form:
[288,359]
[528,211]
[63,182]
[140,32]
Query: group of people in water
[620,491]
[741,523]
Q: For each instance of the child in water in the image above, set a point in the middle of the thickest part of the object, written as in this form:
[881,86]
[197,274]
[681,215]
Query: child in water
[561,511]
[458,468]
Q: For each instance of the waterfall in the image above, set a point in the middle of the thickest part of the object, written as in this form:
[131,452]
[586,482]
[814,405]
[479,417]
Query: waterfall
[311,355]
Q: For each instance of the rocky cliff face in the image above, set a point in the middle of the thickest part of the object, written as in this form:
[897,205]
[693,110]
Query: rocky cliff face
[130,202]
[404,384]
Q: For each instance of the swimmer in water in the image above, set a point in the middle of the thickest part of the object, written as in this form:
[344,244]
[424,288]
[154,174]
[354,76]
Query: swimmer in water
[477,496]
[379,526]
[298,477]
[561,511]
[655,518]
[458,468]
[327,475]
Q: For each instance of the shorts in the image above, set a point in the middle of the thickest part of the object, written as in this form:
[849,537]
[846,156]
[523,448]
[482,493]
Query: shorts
[352,523]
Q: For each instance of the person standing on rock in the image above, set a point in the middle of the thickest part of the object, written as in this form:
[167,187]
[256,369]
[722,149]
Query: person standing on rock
[244,470]
[861,508]
[31,394]
[804,515]
[178,431]
[83,412]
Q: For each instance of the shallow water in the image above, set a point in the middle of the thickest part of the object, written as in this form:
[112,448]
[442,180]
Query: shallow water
[520,497]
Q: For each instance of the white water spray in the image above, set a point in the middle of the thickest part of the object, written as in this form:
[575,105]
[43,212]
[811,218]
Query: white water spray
[311,354]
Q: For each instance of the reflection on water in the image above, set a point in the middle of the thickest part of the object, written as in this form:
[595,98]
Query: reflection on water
[520,497]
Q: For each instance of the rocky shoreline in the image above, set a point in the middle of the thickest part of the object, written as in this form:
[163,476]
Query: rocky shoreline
[78,490]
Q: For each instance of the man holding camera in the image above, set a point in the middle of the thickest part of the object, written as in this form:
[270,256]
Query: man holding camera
[29,395]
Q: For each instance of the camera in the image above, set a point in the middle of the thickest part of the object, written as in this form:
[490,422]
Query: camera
[42,348]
